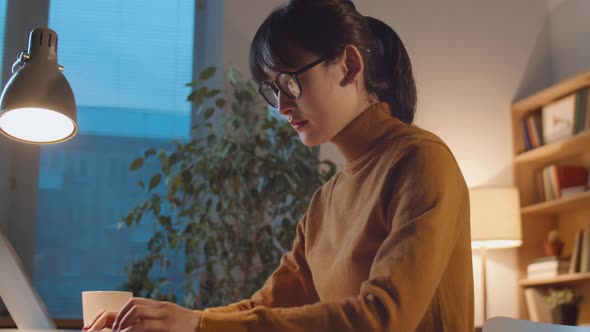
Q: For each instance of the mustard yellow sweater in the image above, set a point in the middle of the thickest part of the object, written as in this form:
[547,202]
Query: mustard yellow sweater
[384,246]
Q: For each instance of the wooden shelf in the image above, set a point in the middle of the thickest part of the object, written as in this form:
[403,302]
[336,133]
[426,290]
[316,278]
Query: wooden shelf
[566,215]
[551,94]
[565,278]
[545,154]
[558,205]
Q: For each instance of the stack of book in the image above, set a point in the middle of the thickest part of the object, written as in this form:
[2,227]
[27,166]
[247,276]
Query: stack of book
[548,267]
[561,181]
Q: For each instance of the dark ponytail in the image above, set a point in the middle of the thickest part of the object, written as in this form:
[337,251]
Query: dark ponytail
[390,76]
[325,27]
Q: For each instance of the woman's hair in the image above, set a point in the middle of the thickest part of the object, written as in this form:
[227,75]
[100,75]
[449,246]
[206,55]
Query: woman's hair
[325,28]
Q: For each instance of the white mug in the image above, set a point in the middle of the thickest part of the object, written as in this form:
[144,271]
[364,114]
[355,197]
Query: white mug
[95,301]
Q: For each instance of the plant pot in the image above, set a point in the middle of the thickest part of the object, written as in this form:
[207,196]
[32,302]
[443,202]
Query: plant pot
[553,248]
[569,314]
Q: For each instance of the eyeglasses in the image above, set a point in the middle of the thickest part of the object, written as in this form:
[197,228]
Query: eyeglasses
[287,82]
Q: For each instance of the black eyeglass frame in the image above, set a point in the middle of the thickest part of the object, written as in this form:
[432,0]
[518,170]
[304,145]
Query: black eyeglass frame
[294,75]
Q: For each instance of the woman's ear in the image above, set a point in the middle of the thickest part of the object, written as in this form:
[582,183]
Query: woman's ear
[352,65]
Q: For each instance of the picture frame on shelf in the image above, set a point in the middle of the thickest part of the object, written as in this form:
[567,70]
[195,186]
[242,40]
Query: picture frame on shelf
[558,119]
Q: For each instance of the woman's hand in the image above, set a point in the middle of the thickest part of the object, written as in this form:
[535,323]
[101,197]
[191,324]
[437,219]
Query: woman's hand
[141,314]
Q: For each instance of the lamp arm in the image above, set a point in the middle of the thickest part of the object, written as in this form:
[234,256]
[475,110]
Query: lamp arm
[22,58]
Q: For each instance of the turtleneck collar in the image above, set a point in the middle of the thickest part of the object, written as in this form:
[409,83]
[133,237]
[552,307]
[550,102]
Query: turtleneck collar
[363,133]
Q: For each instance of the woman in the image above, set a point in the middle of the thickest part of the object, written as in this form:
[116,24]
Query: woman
[385,244]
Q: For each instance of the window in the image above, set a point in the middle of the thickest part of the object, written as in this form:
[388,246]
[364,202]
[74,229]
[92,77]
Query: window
[127,63]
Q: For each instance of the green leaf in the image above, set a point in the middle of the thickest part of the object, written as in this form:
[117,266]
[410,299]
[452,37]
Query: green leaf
[213,93]
[209,112]
[149,152]
[155,180]
[220,102]
[198,96]
[129,219]
[141,184]
[207,73]
[162,155]
[136,164]
[187,177]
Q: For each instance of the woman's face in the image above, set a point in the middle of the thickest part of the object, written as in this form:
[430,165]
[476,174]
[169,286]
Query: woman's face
[330,99]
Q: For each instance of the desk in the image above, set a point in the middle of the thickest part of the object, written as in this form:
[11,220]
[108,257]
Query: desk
[63,324]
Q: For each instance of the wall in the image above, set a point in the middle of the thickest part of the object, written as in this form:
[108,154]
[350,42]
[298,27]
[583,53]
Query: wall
[569,25]
[471,61]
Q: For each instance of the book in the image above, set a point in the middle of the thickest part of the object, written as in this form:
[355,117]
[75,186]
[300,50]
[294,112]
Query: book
[585,250]
[558,119]
[581,111]
[526,136]
[540,187]
[547,189]
[576,252]
[548,267]
[531,132]
[558,180]
[568,177]
[549,264]
[537,275]
[538,127]
[572,191]
[547,259]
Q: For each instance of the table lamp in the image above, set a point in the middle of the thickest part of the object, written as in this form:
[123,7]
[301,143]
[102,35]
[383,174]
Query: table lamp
[37,106]
[495,224]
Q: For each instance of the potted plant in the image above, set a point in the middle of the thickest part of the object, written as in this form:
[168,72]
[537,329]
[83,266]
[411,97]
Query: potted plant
[565,305]
[225,204]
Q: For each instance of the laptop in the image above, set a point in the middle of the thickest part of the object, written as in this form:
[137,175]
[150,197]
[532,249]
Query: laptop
[20,298]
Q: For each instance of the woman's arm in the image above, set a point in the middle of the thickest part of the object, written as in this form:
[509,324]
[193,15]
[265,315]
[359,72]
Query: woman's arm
[290,285]
[428,214]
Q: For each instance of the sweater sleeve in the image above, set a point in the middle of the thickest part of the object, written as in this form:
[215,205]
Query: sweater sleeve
[425,213]
[289,285]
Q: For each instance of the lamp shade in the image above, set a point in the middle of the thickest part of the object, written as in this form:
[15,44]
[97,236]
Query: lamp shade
[495,217]
[37,104]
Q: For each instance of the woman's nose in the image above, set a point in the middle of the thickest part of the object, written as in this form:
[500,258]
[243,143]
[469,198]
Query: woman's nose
[285,104]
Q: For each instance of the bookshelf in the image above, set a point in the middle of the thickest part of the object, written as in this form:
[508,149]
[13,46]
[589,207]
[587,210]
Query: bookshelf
[562,279]
[567,215]
[557,206]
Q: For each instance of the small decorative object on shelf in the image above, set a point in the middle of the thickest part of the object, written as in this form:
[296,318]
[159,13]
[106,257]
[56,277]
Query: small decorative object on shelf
[565,305]
[554,245]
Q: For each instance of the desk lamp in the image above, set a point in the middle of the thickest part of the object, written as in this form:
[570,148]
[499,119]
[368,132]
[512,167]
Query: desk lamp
[37,106]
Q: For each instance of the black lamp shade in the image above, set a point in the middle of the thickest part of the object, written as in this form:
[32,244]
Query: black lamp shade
[38,105]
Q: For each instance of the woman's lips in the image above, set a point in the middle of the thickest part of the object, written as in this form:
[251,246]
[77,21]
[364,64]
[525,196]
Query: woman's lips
[298,124]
